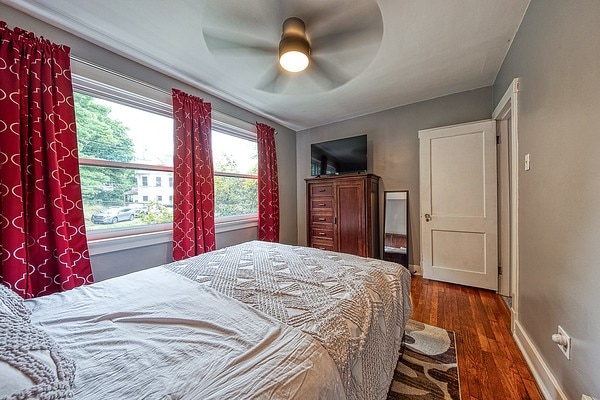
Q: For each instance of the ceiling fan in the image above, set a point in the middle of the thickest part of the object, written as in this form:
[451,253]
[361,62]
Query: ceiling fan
[321,47]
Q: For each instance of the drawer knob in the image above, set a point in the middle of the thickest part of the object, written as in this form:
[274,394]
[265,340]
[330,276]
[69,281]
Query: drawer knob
[322,190]
[322,204]
[321,219]
[321,233]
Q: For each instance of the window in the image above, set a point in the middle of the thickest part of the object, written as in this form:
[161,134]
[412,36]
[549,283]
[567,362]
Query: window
[235,159]
[125,143]
[120,146]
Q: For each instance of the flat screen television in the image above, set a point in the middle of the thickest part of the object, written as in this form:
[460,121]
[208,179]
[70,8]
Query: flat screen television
[339,156]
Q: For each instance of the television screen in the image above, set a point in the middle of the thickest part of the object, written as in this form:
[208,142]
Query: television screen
[339,156]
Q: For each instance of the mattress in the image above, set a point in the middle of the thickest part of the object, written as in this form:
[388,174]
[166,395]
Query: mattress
[252,321]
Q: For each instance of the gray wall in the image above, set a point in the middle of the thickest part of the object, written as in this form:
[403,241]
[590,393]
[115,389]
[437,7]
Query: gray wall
[109,264]
[556,55]
[116,263]
[393,147]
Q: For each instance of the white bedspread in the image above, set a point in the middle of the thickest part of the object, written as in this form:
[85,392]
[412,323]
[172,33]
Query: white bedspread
[158,335]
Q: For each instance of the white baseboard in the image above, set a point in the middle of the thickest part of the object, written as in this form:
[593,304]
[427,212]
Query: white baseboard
[415,269]
[540,370]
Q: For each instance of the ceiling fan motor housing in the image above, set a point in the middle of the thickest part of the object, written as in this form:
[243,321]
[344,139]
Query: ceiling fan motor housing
[293,37]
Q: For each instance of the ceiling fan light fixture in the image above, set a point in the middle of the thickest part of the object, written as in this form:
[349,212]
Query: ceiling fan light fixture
[293,59]
[294,49]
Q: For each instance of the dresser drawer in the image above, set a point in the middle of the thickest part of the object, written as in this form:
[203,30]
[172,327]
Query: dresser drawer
[325,189]
[323,204]
[321,219]
[320,233]
[322,245]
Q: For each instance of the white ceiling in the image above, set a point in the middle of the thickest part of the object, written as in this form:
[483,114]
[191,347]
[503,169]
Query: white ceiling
[406,50]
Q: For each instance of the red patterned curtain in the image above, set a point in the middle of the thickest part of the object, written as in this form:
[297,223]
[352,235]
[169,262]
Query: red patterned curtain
[42,230]
[268,184]
[193,198]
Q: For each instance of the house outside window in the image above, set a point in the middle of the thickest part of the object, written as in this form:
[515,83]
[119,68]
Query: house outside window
[158,181]
[144,180]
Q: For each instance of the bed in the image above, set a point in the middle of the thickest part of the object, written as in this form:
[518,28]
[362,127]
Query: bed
[395,248]
[253,321]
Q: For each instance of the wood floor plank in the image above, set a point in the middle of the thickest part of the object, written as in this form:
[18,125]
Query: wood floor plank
[490,363]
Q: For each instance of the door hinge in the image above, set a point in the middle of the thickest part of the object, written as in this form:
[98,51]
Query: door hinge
[499,270]
[497,139]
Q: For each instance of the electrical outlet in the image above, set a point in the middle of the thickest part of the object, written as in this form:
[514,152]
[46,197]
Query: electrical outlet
[563,341]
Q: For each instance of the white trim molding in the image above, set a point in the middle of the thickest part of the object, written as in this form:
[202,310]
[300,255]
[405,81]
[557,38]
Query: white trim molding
[415,269]
[134,241]
[546,381]
[509,107]
[121,243]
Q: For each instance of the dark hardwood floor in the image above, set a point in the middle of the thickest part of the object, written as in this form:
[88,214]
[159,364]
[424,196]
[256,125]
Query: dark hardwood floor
[489,361]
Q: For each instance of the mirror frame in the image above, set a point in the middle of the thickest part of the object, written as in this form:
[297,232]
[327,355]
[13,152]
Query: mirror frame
[385,198]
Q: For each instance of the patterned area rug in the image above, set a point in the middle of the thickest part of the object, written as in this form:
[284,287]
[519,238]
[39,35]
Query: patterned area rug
[427,368]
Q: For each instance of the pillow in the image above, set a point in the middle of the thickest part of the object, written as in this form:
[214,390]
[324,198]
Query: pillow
[13,303]
[32,366]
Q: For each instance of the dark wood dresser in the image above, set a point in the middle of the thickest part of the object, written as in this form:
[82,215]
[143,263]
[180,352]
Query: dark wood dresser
[343,214]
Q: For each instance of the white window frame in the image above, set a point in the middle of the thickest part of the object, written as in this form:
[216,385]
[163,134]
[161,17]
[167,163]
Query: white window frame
[104,84]
[246,134]
[104,91]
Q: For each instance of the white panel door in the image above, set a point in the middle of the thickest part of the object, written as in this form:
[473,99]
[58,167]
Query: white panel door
[459,237]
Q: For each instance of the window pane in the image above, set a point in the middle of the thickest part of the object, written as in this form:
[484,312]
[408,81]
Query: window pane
[235,196]
[110,131]
[234,154]
[115,198]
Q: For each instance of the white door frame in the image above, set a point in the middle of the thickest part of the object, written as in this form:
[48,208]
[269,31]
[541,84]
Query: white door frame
[508,107]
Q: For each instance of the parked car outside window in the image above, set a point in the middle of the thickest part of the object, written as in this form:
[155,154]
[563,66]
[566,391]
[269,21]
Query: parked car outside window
[113,215]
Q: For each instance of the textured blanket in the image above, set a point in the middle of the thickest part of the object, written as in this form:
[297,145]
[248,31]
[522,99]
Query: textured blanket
[355,307]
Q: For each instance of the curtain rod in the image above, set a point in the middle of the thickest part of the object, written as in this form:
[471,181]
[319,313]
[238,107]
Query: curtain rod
[140,82]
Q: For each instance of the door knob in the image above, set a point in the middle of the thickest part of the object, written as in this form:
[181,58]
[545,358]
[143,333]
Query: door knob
[427,217]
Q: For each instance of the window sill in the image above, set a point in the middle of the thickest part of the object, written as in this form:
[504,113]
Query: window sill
[225,225]
[120,243]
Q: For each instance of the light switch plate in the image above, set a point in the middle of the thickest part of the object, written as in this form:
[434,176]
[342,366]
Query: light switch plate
[527,165]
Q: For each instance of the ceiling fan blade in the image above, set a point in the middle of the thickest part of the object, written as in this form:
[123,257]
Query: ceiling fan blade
[353,38]
[347,34]
[327,74]
[320,12]
[223,43]
[274,80]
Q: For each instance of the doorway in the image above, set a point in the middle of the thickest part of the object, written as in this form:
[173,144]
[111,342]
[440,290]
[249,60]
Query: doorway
[506,116]
[505,231]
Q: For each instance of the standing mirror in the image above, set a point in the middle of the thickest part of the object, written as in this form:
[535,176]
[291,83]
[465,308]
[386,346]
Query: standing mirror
[395,227]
